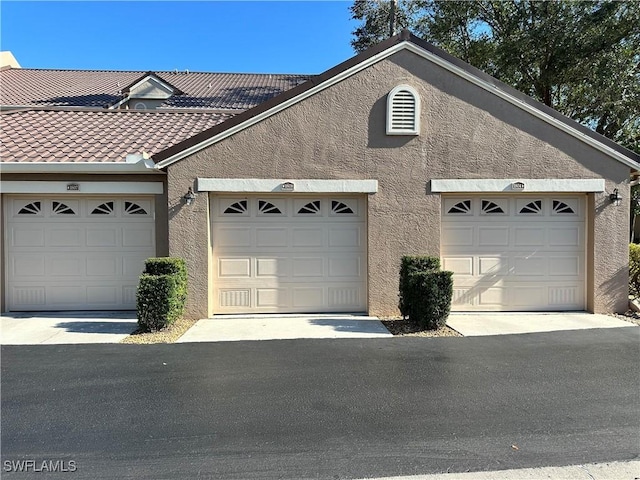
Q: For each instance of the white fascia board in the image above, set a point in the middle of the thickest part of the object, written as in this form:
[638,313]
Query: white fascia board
[274,185]
[78,167]
[505,185]
[431,57]
[84,188]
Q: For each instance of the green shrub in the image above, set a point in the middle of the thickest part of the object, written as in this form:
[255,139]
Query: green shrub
[162,293]
[410,264]
[634,270]
[428,298]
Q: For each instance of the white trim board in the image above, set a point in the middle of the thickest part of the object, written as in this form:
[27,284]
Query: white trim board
[78,167]
[530,185]
[274,185]
[149,188]
[428,56]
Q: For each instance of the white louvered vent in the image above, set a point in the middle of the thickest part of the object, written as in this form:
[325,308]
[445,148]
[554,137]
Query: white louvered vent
[403,111]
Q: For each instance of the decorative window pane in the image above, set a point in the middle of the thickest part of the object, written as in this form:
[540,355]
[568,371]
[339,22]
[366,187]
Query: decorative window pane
[534,208]
[562,208]
[237,208]
[403,111]
[103,209]
[463,207]
[131,208]
[268,208]
[489,207]
[32,208]
[60,208]
[339,208]
[311,208]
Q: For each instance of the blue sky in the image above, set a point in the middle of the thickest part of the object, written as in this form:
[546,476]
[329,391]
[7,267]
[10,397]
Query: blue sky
[238,36]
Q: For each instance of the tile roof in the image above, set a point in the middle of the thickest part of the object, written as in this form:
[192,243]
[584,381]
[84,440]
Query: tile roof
[101,88]
[63,135]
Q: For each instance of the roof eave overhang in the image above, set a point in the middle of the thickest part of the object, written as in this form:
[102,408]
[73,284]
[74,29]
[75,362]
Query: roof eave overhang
[79,167]
[403,45]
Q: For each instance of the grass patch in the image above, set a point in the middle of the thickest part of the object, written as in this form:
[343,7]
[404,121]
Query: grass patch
[167,335]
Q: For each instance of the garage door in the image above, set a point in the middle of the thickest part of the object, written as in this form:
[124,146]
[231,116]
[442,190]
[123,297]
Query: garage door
[515,253]
[76,253]
[277,254]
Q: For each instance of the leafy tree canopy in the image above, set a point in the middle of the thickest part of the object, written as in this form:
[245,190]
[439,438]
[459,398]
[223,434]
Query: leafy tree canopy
[581,58]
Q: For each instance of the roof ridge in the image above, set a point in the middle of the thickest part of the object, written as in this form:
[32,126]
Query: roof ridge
[142,72]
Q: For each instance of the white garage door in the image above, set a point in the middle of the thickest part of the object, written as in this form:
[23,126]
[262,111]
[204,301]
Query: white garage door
[277,254]
[515,253]
[75,253]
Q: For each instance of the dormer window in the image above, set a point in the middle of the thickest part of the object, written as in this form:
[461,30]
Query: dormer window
[403,111]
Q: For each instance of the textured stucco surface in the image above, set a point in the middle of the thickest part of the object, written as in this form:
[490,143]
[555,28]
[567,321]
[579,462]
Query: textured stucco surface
[339,133]
[162,246]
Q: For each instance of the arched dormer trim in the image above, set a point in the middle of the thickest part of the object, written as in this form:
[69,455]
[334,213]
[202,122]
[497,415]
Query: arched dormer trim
[403,111]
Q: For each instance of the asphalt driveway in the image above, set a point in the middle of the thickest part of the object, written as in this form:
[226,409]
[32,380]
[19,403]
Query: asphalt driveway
[324,409]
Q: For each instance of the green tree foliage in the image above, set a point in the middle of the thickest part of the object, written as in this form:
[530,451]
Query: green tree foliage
[581,58]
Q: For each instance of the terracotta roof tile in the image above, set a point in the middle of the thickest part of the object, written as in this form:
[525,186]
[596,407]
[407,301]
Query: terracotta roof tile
[101,88]
[50,135]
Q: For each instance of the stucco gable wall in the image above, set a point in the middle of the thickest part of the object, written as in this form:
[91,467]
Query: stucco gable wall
[340,133]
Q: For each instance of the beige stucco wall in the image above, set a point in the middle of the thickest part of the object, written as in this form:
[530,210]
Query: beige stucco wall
[339,133]
[161,213]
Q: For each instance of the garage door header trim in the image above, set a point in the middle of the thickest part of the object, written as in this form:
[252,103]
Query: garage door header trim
[530,185]
[274,185]
[84,187]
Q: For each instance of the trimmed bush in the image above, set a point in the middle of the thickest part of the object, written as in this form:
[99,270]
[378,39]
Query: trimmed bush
[162,293]
[428,298]
[634,270]
[410,264]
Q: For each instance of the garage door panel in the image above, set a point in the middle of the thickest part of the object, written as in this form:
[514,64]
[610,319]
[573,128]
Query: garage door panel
[458,265]
[272,298]
[234,267]
[24,266]
[345,267]
[493,236]
[529,237]
[102,266]
[69,257]
[491,296]
[101,295]
[532,258]
[307,297]
[102,237]
[309,267]
[273,267]
[564,236]
[271,237]
[308,237]
[65,237]
[529,266]
[458,236]
[564,295]
[344,236]
[28,296]
[65,265]
[344,297]
[528,296]
[309,257]
[492,266]
[565,266]
[227,236]
[138,237]
[26,236]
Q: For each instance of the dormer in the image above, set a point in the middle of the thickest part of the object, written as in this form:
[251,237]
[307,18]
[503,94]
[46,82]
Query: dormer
[146,93]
